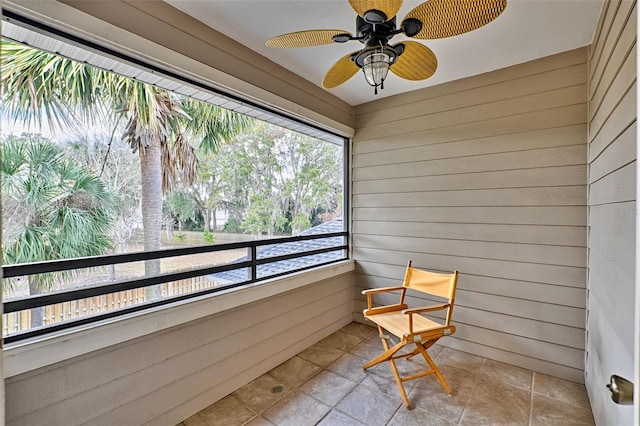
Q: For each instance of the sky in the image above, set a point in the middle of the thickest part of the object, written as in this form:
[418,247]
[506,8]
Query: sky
[8,127]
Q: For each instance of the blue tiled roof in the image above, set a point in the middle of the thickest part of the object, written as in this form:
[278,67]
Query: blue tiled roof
[275,250]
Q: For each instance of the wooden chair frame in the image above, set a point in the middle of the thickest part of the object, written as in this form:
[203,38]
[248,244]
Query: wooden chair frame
[409,325]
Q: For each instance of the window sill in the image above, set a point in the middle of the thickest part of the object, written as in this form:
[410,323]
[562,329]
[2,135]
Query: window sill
[28,355]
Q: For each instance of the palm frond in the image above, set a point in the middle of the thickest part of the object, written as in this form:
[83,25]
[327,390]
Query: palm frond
[179,164]
[213,125]
[65,209]
[39,87]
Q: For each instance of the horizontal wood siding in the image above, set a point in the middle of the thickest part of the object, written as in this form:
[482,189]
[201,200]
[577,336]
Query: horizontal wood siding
[168,376]
[485,175]
[612,208]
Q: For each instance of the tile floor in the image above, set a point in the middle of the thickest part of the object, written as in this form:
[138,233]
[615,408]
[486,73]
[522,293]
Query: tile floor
[325,385]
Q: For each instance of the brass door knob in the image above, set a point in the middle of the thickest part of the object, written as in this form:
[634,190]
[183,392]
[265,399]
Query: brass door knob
[621,390]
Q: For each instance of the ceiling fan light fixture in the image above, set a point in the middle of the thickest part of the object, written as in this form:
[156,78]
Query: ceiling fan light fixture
[376,67]
[376,26]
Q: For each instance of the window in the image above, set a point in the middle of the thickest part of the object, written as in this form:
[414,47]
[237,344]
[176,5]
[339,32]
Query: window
[159,189]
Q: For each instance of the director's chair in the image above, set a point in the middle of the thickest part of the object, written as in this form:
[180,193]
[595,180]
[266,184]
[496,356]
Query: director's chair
[409,325]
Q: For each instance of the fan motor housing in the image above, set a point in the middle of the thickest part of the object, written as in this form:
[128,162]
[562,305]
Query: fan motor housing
[375,16]
[364,29]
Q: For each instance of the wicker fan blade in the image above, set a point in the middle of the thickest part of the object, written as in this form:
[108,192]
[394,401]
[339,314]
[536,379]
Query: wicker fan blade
[304,38]
[417,62]
[340,72]
[389,7]
[446,18]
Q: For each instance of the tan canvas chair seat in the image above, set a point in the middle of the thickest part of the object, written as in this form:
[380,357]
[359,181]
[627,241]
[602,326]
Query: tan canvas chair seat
[409,324]
[396,323]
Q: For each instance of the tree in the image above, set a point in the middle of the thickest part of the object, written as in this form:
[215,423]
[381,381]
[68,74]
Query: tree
[276,180]
[181,206]
[37,85]
[120,173]
[207,191]
[52,208]
[313,178]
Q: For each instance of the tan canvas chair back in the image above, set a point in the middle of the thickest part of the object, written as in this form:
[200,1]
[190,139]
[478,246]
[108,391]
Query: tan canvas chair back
[443,285]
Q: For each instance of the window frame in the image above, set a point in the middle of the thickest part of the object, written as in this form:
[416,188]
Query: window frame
[253,262]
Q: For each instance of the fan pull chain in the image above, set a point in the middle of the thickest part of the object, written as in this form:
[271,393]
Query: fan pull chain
[375,88]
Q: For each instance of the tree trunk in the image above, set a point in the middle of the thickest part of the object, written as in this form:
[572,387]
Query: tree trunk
[112,272]
[207,219]
[37,314]
[151,206]
[214,220]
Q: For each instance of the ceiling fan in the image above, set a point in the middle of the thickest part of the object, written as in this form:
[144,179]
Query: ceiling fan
[376,26]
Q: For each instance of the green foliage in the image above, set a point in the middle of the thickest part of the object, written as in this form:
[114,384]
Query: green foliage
[301,221]
[214,126]
[180,205]
[274,180]
[208,236]
[53,208]
[233,226]
[120,172]
[195,224]
[180,237]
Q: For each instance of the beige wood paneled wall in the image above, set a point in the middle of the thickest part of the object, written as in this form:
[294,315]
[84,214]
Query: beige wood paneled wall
[166,377]
[612,208]
[486,175]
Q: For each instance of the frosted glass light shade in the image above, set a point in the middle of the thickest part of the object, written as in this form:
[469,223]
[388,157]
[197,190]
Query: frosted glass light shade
[375,67]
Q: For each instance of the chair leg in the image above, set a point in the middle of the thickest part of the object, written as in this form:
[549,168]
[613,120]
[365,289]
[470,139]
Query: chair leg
[387,355]
[433,366]
[396,375]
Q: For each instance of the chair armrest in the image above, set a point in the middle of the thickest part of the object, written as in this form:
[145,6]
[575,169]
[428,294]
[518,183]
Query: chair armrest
[412,311]
[373,291]
[425,309]
[381,290]
[384,309]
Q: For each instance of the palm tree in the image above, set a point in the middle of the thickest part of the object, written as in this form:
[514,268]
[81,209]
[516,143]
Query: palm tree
[52,208]
[37,85]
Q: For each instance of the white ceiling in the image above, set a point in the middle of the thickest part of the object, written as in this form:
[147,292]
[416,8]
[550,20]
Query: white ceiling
[526,30]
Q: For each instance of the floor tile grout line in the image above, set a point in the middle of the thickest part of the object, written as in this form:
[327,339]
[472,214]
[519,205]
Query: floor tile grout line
[475,385]
[394,414]
[335,407]
[533,378]
[570,403]
[253,411]
[325,369]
